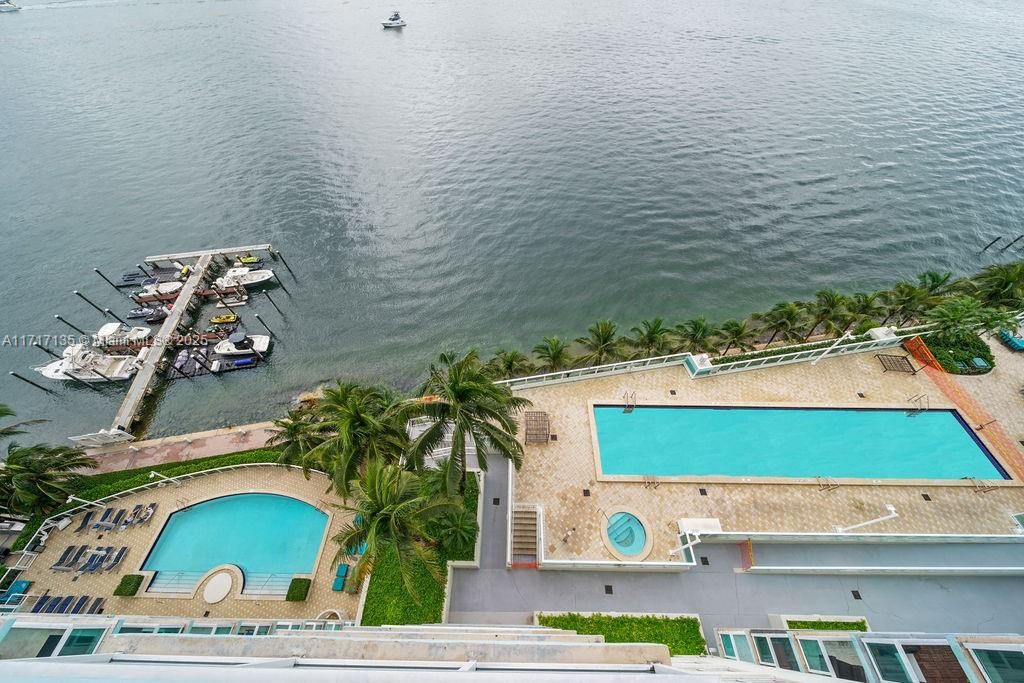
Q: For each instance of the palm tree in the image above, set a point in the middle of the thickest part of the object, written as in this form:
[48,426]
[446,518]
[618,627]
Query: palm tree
[602,344]
[906,301]
[651,338]
[828,305]
[936,284]
[390,514]
[962,317]
[864,306]
[784,319]
[736,333]
[1000,285]
[296,435]
[8,431]
[355,424]
[695,336]
[554,354]
[508,364]
[466,407]
[37,479]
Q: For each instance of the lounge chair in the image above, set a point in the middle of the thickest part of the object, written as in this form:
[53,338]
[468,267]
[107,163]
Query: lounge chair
[64,557]
[147,515]
[80,605]
[130,519]
[962,365]
[114,521]
[52,605]
[40,604]
[980,363]
[1012,340]
[96,561]
[96,607]
[103,518]
[64,605]
[73,561]
[342,571]
[116,559]
[85,521]
[338,585]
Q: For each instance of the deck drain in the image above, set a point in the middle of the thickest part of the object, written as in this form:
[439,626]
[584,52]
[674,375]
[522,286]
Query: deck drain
[702,492]
[860,394]
[672,392]
[586,493]
[856,595]
[926,496]
[554,437]
[495,501]
[705,561]
[608,589]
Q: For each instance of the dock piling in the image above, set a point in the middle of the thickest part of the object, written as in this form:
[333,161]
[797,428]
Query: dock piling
[262,322]
[1019,238]
[116,317]
[45,350]
[12,373]
[279,282]
[109,282]
[83,298]
[287,267]
[76,329]
[991,243]
[273,303]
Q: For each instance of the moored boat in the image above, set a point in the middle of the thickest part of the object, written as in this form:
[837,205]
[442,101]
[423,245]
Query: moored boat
[85,363]
[394,21]
[242,344]
[7,6]
[118,334]
[243,277]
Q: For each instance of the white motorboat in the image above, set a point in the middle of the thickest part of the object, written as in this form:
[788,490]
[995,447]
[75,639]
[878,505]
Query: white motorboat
[88,364]
[159,288]
[394,21]
[118,334]
[242,344]
[7,6]
[243,277]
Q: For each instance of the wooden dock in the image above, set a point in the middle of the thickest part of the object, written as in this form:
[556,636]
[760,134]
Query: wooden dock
[189,255]
[163,338]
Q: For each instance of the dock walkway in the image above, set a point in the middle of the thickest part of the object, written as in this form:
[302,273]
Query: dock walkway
[137,391]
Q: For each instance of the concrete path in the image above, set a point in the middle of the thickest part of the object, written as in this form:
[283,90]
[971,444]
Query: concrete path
[722,596]
[182,447]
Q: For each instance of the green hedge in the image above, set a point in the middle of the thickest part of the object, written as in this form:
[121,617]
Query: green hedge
[298,589]
[98,486]
[782,350]
[820,625]
[386,599]
[681,634]
[949,351]
[129,585]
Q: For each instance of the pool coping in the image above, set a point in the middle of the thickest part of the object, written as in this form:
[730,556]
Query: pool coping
[986,448]
[648,536]
[236,591]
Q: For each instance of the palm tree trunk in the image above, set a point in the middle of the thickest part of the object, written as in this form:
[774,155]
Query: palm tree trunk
[727,347]
[810,332]
[771,339]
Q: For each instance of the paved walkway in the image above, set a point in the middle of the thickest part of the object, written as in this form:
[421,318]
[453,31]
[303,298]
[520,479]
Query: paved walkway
[719,594]
[182,447]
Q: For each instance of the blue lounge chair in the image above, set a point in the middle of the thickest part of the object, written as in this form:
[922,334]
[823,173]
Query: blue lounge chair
[73,561]
[342,571]
[85,521]
[147,514]
[1012,340]
[980,363]
[64,605]
[130,519]
[52,605]
[40,604]
[962,365]
[80,605]
[96,561]
[64,557]
[97,606]
[116,520]
[116,559]
[103,518]
[338,585]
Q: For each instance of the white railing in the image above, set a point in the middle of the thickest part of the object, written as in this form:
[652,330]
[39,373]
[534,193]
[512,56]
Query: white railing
[263,583]
[583,373]
[26,558]
[800,353]
[510,507]
[416,426]
[174,582]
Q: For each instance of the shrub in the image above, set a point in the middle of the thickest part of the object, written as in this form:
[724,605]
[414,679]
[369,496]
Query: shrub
[298,589]
[681,634]
[948,350]
[129,585]
[386,599]
[821,625]
[102,485]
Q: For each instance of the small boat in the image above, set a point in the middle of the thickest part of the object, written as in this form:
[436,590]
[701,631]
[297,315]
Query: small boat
[249,259]
[87,364]
[231,301]
[158,288]
[224,319]
[394,21]
[243,277]
[142,312]
[159,315]
[118,334]
[7,6]
[242,344]
[252,265]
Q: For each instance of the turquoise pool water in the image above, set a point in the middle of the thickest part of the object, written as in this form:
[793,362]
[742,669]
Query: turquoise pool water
[626,533]
[790,442]
[261,533]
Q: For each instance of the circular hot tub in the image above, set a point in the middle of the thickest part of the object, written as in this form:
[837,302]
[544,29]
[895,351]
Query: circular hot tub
[627,535]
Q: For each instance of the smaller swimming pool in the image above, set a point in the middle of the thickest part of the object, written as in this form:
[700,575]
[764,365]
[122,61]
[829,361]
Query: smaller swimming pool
[627,533]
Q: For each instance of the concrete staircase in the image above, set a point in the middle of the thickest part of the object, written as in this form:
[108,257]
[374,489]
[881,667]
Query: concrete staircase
[524,536]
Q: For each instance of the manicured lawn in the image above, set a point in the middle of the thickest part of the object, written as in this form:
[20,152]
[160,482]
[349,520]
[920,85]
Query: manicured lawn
[681,634]
[387,601]
[818,625]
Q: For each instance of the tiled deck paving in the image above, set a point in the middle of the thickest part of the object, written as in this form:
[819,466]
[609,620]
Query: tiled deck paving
[281,480]
[555,474]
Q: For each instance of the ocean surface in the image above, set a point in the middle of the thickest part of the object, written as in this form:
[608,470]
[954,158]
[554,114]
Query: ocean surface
[495,172]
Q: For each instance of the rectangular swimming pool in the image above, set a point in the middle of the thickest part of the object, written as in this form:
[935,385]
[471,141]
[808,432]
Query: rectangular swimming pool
[674,441]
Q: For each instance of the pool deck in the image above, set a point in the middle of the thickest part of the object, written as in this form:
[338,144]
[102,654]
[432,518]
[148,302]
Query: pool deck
[555,474]
[280,480]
